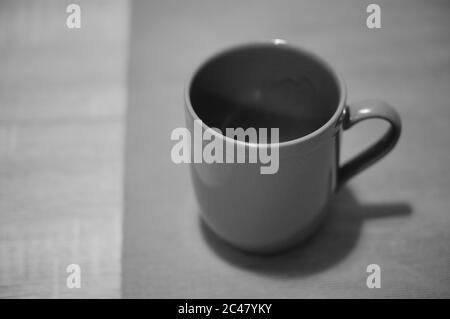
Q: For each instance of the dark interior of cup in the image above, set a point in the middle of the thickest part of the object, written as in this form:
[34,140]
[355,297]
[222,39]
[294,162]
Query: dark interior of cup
[265,86]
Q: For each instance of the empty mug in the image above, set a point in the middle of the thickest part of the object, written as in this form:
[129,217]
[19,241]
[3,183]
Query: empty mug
[275,85]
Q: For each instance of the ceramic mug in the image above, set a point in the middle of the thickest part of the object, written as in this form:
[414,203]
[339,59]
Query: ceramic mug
[274,84]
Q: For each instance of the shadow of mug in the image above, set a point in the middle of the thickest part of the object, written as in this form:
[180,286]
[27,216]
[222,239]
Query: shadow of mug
[330,244]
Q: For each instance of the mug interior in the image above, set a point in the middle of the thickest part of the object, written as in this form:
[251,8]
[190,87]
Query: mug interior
[265,86]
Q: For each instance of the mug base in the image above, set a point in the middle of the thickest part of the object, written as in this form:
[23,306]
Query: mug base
[281,247]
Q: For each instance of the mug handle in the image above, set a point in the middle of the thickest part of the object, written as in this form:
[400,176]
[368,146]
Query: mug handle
[369,109]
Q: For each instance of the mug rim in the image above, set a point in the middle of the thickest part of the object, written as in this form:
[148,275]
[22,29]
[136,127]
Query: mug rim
[342,91]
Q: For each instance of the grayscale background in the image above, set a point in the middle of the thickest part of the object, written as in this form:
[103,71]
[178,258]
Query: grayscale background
[85,169]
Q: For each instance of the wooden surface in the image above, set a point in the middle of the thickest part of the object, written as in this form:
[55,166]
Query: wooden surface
[396,214]
[62,104]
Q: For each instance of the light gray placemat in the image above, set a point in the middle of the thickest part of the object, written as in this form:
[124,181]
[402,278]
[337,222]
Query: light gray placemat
[395,214]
